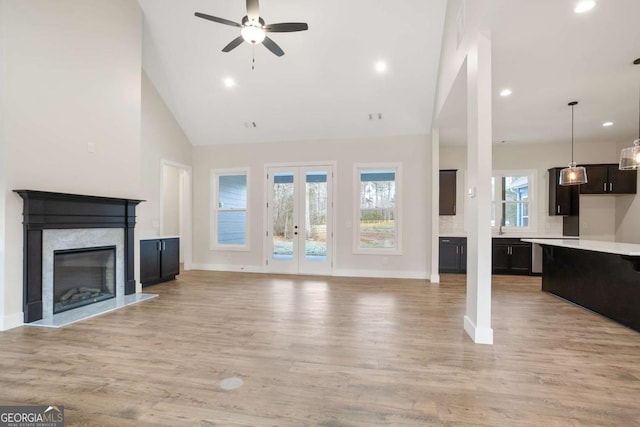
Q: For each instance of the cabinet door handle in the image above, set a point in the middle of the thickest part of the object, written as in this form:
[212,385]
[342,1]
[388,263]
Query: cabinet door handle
[462,250]
[164,246]
[159,246]
[558,208]
[611,186]
[454,209]
[457,249]
[445,241]
[604,187]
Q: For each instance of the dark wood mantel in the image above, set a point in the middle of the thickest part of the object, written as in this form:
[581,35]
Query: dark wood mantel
[46,210]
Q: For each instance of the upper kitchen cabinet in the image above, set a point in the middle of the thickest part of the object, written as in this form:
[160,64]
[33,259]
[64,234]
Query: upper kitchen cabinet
[448,191]
[563,199]
[608,179]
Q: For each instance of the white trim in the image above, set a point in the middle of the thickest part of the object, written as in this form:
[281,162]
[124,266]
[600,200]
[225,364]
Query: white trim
[398,214]
[387,274]
[435,278]
[11,321]
[230,267]
[213,209]
[478,335]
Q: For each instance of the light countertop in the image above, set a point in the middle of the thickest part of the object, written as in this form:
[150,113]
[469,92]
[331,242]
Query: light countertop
[515,236]
[629,249]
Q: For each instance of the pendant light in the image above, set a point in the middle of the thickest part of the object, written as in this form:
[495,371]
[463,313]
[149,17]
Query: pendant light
[573,175]
[630,156]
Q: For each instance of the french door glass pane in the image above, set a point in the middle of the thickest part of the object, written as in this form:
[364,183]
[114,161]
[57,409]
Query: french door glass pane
[283,216]
[315,246]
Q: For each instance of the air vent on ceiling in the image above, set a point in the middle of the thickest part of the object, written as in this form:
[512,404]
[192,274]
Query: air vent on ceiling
[250,125]
[375,116]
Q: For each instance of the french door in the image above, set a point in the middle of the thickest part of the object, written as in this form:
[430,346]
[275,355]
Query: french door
[299,238]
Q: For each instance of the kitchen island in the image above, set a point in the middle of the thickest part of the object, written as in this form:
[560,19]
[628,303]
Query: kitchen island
[601,276]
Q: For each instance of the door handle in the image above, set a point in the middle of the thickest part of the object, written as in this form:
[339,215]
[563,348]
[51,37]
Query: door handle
[164,246]
[462,250]
[558,208]
[457,249]
[604,187]
[611,186]
[159,245]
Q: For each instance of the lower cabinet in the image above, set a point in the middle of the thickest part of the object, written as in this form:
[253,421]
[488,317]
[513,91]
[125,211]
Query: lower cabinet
[510,256]
[453,255]
[159,260]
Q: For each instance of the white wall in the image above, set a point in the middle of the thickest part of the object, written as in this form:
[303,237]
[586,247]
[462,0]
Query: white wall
[170,200]
[72,77]
[162,139]
[597,212]
[410,150]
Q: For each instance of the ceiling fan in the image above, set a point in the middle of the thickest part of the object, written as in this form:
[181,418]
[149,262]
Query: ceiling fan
[253,29]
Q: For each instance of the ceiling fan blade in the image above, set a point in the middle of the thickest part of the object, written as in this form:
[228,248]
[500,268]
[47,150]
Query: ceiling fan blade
[272,46]
[286,27]
[218,20]
[234,44]
[253,10]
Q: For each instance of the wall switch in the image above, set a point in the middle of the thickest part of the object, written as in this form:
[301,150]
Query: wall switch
[91,147]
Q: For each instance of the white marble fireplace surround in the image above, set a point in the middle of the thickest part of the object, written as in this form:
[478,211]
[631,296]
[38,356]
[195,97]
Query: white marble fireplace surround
[83,238]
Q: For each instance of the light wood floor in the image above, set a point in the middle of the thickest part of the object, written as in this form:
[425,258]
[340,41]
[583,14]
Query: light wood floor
[316,351]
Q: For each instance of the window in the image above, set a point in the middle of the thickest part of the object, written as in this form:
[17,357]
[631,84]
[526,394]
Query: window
[377,210]
[511,199]
[229,210]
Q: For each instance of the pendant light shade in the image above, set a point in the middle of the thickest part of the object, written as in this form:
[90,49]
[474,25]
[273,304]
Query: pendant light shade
[573,175]
[630,156]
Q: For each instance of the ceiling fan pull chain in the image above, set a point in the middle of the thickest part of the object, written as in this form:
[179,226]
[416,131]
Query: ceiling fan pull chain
[253,59]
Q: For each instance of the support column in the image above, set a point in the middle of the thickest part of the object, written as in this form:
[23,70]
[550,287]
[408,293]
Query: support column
[435,205]
[477,319]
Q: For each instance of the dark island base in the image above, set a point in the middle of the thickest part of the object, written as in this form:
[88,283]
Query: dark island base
[605,283]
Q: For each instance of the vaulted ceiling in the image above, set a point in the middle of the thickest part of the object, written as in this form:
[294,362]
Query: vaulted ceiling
[326,86]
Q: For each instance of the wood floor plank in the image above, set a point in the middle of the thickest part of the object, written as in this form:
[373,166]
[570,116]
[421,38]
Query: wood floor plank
[327,351]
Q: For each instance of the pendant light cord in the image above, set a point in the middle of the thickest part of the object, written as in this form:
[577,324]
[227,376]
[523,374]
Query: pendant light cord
[572,133]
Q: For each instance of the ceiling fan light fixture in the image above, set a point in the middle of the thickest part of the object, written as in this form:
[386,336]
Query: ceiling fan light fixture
[253,34]
[630,156]
[573,175]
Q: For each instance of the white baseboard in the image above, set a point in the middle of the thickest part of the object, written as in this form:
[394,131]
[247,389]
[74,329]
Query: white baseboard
[226,267]
[11,321]
[386,274]
[478,335]
[435,278]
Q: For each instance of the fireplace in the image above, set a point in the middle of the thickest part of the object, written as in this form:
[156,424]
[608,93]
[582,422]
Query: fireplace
[75,232]
[83,276]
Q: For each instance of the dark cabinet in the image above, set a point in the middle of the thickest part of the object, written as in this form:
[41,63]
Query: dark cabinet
[608,179]
[159,260]
[511,256]
[563,199]
[453,255]
[448,192]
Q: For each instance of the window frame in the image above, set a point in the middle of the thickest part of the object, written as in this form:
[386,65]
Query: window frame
[358,168]
[215,209]
[532,176]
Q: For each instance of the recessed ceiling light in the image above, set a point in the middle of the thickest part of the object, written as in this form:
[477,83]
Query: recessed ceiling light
[229,82]
[381,67]
[607,124]
[505,92]
[584,6]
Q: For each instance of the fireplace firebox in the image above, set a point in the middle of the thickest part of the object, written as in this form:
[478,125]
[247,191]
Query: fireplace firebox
[83,276]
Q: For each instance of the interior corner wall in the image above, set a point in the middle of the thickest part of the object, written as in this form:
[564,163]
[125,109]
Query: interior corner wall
[71,82]
[162,139]
[2,166]
[412,151]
